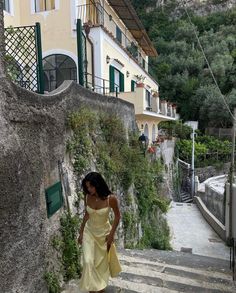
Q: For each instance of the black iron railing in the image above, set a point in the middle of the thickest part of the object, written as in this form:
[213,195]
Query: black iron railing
[100,85]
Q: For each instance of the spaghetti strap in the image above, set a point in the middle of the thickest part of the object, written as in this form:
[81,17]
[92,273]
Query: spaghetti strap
[108,200]
[86,199]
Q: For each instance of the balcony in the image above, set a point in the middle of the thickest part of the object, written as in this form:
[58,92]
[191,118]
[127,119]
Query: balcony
[95,15]
[149,106]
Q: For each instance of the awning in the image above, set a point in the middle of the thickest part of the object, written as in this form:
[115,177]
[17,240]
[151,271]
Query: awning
[128,15]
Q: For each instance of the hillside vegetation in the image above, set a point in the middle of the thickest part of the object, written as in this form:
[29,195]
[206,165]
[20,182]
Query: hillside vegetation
[180,68]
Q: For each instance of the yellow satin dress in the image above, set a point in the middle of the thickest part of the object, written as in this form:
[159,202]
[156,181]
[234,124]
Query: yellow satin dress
[98,264]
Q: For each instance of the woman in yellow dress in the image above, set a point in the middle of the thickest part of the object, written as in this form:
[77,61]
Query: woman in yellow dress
[97,235]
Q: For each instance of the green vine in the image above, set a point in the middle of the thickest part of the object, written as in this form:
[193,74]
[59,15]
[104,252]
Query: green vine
[101,141]
[52,282]
[69,247]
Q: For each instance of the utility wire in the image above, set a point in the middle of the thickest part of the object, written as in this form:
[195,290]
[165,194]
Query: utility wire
[208,64]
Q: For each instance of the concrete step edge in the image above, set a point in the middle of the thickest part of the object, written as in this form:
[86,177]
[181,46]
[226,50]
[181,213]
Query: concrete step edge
[137,287]
[136,260]
[162,267]
[157,278]
[177,258]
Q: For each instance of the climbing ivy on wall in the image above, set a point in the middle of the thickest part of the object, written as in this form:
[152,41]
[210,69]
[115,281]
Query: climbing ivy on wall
[101,142]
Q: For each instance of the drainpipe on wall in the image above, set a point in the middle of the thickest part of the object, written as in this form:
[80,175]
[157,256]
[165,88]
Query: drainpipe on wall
[80,51]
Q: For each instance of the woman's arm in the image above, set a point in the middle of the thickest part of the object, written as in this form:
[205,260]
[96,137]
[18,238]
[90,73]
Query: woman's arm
[113,202]
[85,219]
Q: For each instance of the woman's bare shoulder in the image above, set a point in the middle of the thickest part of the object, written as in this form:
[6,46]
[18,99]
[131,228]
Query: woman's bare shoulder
[113,199]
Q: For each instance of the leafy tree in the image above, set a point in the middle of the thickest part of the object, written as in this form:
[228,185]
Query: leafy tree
[181,70]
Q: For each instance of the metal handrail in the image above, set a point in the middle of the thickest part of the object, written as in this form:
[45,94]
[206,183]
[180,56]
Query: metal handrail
[105,90]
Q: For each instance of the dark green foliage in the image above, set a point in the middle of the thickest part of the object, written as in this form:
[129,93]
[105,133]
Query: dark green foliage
[208,151]
[181,69]
[176,128]
[52,282]
[69,247]
[117,156]
[156,236]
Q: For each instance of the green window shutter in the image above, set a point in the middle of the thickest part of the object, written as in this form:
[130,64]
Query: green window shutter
[112,79]
[54,198]
[133,85]
[122,82]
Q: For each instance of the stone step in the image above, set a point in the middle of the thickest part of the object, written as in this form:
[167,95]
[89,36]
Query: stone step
[179,259]
[181,271]
[154,271]
[187,200]
[173,280]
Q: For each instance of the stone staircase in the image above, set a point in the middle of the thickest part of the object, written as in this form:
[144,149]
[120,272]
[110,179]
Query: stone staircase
[186,197]
[154,271]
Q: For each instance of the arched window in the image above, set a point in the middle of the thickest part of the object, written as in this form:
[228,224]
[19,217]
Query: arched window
[58,68]
[153,133]
[146,132]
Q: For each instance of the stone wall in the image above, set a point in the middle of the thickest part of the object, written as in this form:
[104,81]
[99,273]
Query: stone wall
[211,171]
[33,136]
[211,197]
[211,193]
[2,45]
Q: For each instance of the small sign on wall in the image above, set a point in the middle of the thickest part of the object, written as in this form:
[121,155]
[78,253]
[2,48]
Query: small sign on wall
[54,198]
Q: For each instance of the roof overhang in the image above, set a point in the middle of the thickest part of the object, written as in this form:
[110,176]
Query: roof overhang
[128,15]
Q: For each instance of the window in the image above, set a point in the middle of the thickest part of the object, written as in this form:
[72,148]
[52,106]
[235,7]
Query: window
[116,80]
[118,35]
[6,5]
[133,85]
[148,101]
[58,68]
[44,5]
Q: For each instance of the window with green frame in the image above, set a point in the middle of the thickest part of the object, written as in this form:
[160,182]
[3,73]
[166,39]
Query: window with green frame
[117,81]
[133,85]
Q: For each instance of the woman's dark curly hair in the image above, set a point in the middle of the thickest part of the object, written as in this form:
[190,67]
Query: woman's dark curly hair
[97,181]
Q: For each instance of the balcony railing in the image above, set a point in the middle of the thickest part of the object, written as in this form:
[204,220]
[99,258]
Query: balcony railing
[96,15]
[100,85]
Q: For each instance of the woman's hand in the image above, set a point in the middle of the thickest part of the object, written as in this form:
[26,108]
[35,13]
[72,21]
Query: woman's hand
[80,239]
[109,240]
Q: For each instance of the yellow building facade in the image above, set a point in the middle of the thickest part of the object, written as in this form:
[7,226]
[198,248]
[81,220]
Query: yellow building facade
[115,57]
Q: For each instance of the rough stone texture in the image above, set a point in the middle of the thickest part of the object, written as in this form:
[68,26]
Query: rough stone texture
[212,194]
[33,134]
[2,46]
[167,272]
[207,172]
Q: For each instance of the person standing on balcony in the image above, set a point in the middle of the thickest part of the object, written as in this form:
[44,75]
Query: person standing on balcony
[97,235]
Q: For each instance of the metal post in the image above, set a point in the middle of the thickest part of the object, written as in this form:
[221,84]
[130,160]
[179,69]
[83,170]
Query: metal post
[80,51]
[232,179]
[104,87]
[40,78]
[193,149]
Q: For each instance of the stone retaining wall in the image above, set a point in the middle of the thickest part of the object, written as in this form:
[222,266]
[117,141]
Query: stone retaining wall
[33,138]
[214,197]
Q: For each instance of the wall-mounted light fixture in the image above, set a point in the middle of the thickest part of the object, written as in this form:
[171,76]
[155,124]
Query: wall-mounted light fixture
[127,73]
[108,59]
